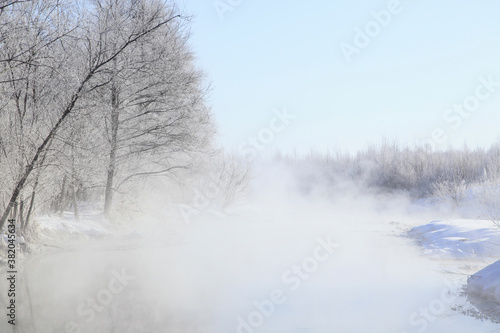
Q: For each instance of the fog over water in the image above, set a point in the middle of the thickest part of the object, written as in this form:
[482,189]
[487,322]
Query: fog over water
[227,166]
[283,262]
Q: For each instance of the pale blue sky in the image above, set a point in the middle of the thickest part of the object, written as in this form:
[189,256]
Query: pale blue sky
[268,54]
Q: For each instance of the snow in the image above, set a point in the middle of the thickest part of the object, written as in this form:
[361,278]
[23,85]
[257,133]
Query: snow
[459,238]
[486,282]
[466,240]
[90,225]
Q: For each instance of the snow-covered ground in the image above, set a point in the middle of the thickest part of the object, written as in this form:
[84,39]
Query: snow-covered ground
[473,244]
[486,282]
[459,238]
[90,225]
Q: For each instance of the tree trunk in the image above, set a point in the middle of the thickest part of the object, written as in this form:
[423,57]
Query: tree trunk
[62,196]
[115,113]
[21,214]
[75,205]
[30,208]
[14,213]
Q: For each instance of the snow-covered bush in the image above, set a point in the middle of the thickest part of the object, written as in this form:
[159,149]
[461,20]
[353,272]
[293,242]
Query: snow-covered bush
[418,172]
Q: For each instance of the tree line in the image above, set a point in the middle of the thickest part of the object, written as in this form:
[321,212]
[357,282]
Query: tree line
[419,172]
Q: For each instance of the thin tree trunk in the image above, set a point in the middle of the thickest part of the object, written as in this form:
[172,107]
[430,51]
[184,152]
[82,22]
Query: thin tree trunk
[32,201]
[75,205]
[62,196]
[14,212]
[73,185]
[115,113]
[21,214]
[30,209]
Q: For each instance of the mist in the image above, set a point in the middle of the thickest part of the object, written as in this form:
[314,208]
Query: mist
[213,166]
[283,261]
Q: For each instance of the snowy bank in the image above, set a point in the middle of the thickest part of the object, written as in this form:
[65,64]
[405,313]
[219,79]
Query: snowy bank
[483,291]
[55,227]
[486,283]
[459,238]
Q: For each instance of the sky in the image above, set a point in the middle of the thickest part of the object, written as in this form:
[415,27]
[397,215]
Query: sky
[301,76]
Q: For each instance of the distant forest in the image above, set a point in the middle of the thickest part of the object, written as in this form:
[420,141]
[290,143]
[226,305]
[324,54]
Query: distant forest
[418,172]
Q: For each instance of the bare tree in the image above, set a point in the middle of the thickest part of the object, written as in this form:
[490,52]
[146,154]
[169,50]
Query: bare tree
[155,109]
[79,65]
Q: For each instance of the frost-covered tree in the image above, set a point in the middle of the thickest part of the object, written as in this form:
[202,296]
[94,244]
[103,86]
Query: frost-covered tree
[53,55]
[154,108]
[34,75]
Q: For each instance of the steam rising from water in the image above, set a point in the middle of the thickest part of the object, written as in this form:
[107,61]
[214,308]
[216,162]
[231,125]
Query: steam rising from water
[259,270]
